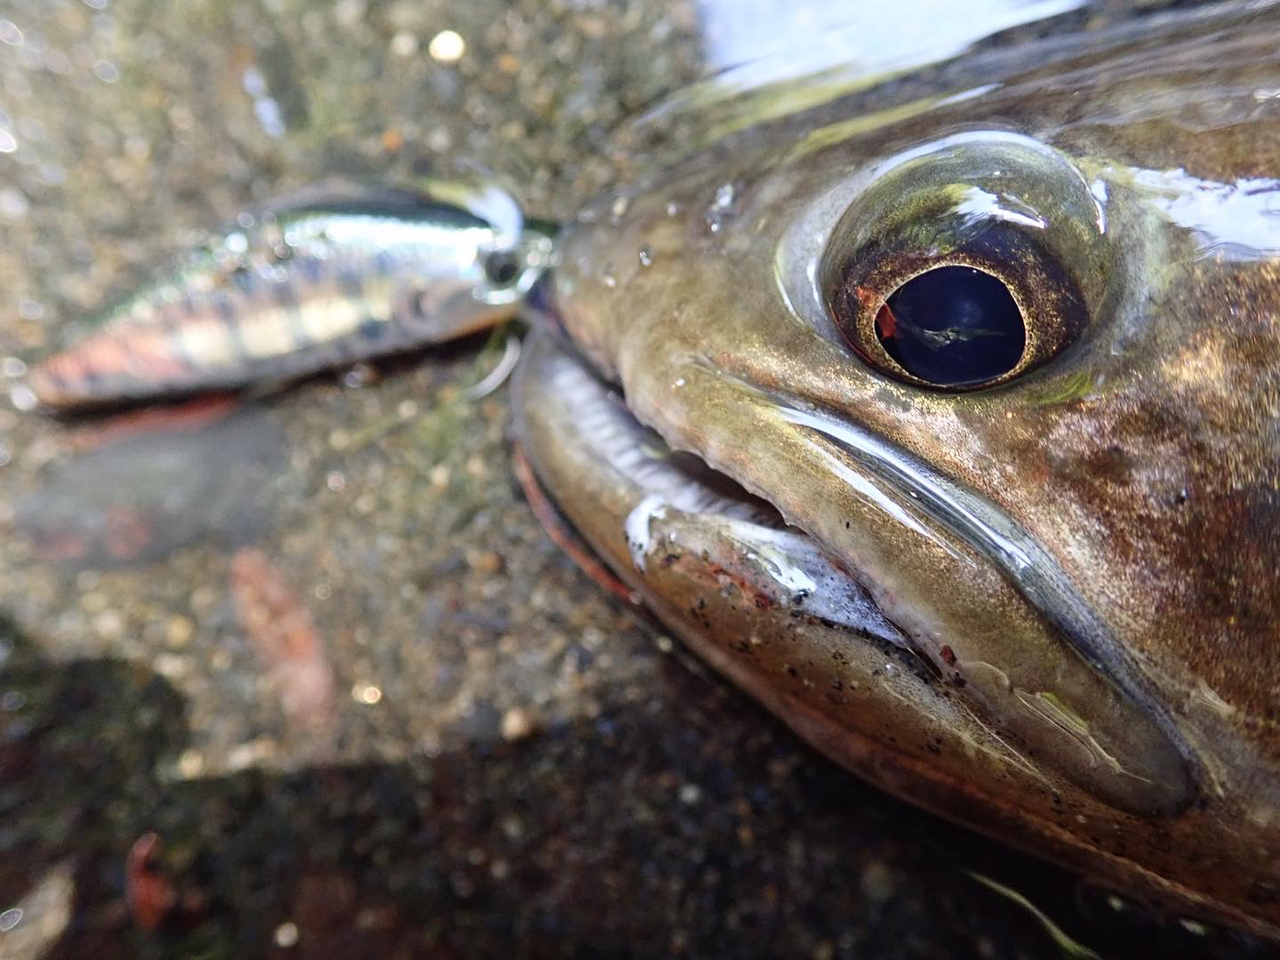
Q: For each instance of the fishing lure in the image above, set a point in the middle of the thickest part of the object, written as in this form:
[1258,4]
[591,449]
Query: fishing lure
[308,284]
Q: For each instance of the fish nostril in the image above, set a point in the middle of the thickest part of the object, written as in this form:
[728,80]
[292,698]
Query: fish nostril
[953,326]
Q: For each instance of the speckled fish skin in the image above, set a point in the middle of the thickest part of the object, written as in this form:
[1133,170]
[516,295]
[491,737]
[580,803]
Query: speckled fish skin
[1086,558]
[299,289]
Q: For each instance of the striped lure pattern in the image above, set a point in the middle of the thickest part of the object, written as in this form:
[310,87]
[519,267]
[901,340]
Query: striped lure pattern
[302,289]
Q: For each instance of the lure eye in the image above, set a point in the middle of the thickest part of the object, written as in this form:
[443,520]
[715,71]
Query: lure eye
[967,264]
[501,268]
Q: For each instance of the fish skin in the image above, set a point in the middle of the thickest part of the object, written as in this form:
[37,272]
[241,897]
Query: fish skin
[1139,466]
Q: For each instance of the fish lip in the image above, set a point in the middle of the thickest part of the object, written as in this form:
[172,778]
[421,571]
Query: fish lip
[1014,550]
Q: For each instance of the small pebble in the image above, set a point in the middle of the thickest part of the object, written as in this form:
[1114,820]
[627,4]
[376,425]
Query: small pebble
[170,666]
[286,935]
[877,882]
[447,46]
[109,625]
[246,755]
[349,13]
[486,562]
[22,398]
[178,630]
[202,598]
[190,764]
[404,44]
[516,724]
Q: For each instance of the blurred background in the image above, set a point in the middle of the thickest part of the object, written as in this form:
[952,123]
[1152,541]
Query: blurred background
[304,678]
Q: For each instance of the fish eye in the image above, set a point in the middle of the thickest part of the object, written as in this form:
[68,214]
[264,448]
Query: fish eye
[967,263]
[952,326]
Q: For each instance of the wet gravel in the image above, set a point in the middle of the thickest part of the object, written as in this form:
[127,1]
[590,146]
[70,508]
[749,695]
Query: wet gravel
[492,757]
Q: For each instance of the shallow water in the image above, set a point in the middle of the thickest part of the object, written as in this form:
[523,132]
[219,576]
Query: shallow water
[309,678]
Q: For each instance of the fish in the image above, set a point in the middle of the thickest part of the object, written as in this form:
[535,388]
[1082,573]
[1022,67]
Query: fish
[995,372]
[940,412]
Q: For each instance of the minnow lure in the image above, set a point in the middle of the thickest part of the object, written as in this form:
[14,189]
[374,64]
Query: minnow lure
[949,430]
[307,285]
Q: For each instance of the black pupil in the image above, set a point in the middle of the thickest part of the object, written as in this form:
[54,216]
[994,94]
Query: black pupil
[953,326]
[501,268]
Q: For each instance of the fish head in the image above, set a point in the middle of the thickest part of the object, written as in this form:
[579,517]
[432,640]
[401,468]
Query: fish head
[1007,354]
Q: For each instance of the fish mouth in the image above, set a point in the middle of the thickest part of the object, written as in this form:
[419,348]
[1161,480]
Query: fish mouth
[804,626]
[758,599]
[660,503]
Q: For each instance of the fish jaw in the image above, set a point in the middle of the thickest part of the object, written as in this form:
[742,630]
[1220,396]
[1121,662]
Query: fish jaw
[778,615]
[970,586]
[752,595]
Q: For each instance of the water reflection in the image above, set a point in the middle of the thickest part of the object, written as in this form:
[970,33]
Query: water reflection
[755,64]
[1239,221]
[780,39]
